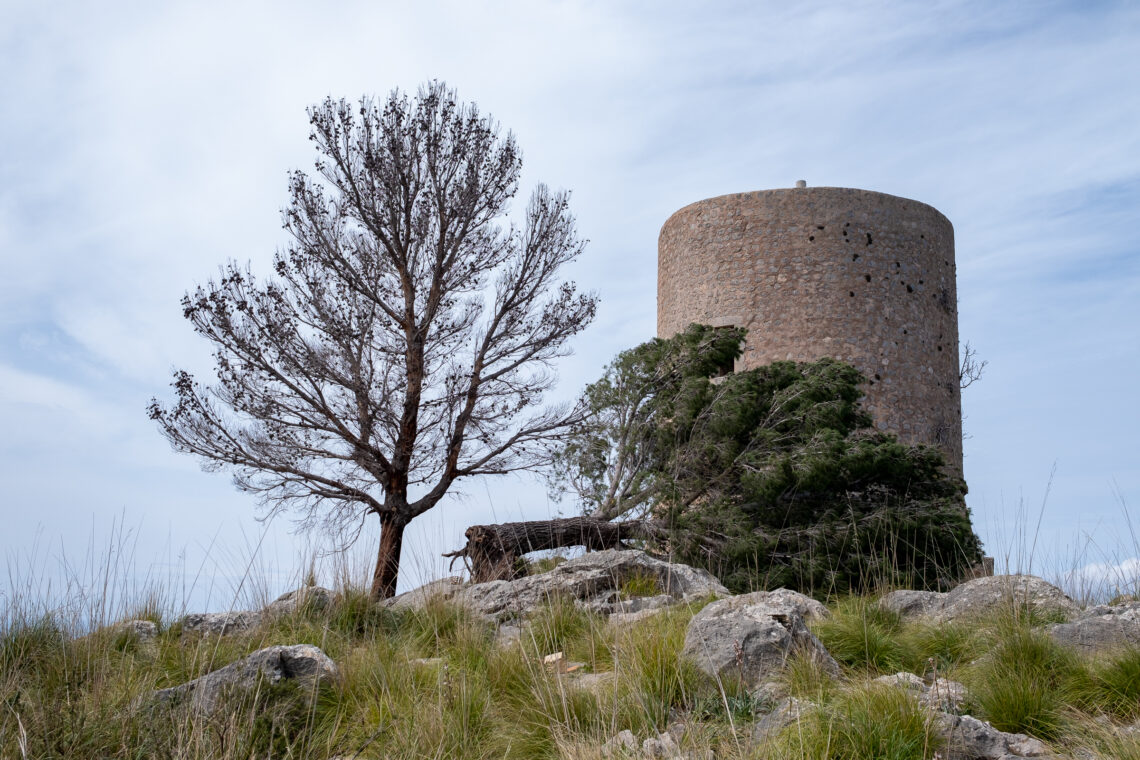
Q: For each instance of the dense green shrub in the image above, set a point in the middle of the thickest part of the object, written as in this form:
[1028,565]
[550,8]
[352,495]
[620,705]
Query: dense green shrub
[768,477]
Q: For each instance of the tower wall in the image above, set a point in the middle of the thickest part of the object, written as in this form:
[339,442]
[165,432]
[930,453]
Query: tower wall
[861,276]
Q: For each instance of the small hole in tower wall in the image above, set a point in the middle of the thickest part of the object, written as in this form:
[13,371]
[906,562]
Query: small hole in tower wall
[877,376]
[867,277]
[819,226]
[855,257]
[811,237]
[909,289]
[844,233]
[868,238]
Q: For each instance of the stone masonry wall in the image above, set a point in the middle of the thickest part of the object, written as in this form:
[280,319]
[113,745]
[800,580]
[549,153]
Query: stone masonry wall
[861,276]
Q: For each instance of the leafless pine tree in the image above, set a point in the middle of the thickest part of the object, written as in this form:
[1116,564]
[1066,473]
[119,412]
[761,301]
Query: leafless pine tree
[406,340]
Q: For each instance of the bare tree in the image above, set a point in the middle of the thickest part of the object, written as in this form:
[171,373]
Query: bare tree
[972,367]
[406,341]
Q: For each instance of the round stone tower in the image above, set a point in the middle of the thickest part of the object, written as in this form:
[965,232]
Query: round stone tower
[828,271]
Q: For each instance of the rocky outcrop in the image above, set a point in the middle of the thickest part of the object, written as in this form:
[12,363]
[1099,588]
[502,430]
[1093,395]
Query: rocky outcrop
[303,664]
[220,623]
[784,714]
[967,738]
[981,597]
[314,598]
[594,580]
[750,637]
[1101,628]
[941,695]
[239,621]
[140,631]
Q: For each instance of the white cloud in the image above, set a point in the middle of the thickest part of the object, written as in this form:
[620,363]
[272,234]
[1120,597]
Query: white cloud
[150,144]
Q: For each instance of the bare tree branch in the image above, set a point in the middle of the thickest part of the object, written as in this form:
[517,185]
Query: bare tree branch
[407,338]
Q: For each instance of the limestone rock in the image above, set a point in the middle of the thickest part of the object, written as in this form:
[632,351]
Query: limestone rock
[911,604]
[220,623]
[613,604]
[507,636]
[444,588]
[316,597]
[783,715]
[624,743]
[982,596]
[1101,628]
[141,631]
[623,619]
[303,663]
[941,696]
[591,579]
[595,683]
[750,637]
[968,738]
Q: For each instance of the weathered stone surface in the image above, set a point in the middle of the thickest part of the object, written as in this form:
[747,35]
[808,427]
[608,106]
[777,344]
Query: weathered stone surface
[982,596]
[141,630]
[750,637]
[315,597]
[444,588]
[623,744]
[941,696]
[613,604]
[595,683]
[783,715]
[814,272]
[911,604]
[791,601]
[507,636]
[968,738]
[592,579]
[1101,628]
[303,663]
[624,619]
[220,623]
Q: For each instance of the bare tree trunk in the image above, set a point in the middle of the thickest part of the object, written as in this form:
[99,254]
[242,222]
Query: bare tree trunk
[387,570]
[493,550]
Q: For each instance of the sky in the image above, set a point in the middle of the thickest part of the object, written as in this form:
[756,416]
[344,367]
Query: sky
[146,144]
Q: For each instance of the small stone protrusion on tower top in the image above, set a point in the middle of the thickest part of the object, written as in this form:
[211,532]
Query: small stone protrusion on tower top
[801,183]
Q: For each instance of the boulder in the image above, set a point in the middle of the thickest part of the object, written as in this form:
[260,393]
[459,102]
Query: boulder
[1101,628]
[968,738]
[594,580]
[141,631]
[443,589]
[624,744]
[220,623]
[751,636]
[980,597]
[941,695]
[909,604]
[304,664]
[314,597]
[784,714]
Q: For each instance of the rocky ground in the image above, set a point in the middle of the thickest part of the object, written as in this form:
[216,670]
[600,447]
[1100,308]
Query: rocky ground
[765,674]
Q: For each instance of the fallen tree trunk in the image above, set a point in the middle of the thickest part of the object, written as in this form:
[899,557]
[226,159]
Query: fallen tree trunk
[492,551]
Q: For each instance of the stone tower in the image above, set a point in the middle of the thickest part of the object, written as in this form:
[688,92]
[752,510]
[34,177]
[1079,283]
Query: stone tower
[827,271]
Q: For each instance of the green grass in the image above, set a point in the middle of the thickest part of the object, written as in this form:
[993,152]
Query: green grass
[864,637]
[868,723]
[433,683]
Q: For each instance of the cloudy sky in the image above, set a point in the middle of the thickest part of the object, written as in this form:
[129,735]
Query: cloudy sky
[143,144]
